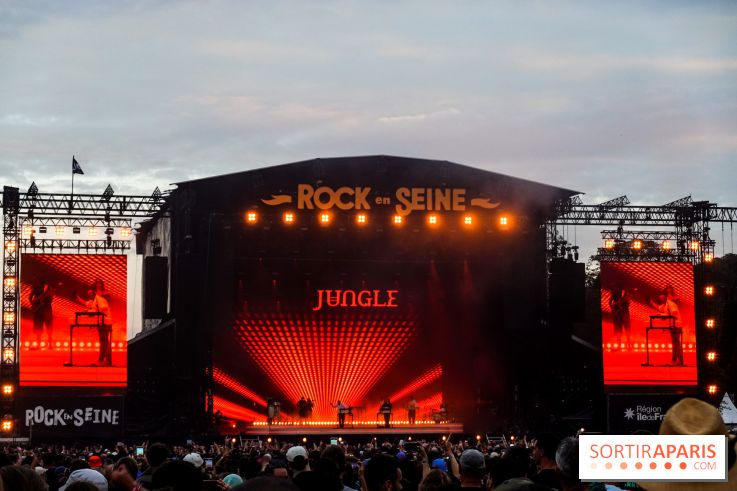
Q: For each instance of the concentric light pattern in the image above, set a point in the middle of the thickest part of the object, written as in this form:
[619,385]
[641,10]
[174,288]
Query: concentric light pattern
[221,378]
[430,376]
[326,357]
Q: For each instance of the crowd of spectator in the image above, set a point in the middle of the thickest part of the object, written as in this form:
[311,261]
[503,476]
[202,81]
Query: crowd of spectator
[541,462]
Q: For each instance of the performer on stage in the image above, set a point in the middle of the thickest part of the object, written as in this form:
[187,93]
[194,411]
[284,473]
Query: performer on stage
[386,410]
[302,408]
[41,299]
[342,410]
[96,302]
[270,411]
[667,305]
[310,406]
[412,410]
[619,302]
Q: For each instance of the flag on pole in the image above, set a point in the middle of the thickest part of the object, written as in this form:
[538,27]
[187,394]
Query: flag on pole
[76,169]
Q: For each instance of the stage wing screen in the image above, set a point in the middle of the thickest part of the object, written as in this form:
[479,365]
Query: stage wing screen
[648,324]
[73,320]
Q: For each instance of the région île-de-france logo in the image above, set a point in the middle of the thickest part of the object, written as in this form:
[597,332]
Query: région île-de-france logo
[629,413]
[404,199]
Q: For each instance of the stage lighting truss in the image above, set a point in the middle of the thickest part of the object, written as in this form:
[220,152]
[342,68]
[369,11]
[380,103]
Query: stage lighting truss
[652,246]
[28,218]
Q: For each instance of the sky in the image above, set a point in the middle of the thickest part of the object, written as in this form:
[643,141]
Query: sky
[609,98]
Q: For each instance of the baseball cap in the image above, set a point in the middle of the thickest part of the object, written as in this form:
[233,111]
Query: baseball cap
[95,461]
[440,464]
[472,459]
[295,451]
[194,459]
[86,475]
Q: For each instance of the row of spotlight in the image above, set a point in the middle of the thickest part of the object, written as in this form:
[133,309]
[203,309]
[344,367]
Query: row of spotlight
[665,246]
[326,218]
[28,230]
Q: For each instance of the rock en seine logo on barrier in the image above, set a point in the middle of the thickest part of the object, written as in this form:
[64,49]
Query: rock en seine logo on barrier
[688,458]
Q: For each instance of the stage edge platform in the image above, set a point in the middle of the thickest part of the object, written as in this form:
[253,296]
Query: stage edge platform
[276,430]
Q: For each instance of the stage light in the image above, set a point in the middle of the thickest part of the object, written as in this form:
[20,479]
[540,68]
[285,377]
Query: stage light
[325,218]
[709,290]
[304,439]
[432,219]
[711,389]
[92,231]
[9,318]
[8,389]
[711,356]
[340,439]
[468,220]
[694,245]
[710,323]
[708,257]
[76,230]
[9,355]
[59,229]
[445,438]
[7,424]
[9,282]
[609,244]
[251,217]
[27,230]
[504,220]
[268,440]
[637,245]
[10,246]
[478,438]
[361,219]
[665,245]
[397,220]
[288,217]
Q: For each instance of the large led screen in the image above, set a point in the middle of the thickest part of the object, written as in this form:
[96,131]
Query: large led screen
[359,332]
[73,320]
[648,326]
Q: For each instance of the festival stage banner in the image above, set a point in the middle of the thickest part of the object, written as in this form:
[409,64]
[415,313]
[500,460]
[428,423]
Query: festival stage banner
[99,417]
[629,413]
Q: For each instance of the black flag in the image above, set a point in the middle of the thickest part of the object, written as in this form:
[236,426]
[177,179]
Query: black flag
[76,169]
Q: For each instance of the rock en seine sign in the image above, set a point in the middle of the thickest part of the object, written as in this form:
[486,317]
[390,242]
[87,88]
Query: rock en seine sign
[404,199]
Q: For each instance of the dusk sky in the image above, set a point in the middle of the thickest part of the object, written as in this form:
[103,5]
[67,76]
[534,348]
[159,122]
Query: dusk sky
[609,98]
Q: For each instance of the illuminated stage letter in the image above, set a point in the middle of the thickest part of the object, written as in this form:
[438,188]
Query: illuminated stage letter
[403,198]
[391,300]
[304,196]
[345,302]
[459,199]
[319,300]
[339,202]
[377,303]
[364,298]
[333,297]
[362,199]
[442,199]
[319,202]
[418,199]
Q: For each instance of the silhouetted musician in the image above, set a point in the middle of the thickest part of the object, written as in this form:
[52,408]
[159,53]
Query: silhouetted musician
[386,410]
[342,411]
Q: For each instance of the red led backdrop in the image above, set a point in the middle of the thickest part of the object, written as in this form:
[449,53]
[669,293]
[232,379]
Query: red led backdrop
[54,289]
[393,331]
[634,297]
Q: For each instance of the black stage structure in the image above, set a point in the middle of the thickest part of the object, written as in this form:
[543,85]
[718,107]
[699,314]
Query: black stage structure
[454,258]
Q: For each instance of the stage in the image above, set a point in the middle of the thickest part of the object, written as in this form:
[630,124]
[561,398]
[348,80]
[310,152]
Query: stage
[358,429]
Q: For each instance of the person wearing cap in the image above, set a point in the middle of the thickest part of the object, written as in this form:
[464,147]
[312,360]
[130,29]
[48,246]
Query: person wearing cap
[90,476]
[473,469]
[297,459]
[195,459]
[691,416]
